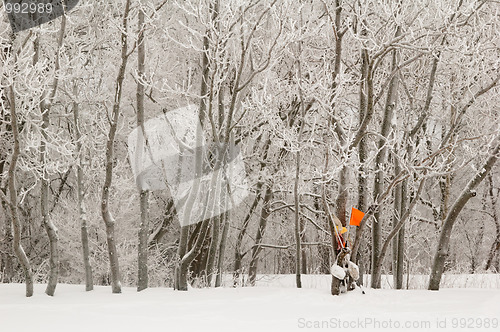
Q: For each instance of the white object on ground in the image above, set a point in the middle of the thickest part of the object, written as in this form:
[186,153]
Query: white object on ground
[337,271]
[353,270]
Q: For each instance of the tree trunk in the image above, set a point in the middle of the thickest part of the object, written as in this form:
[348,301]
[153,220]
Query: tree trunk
[264,214]
[44,205]
[495,247]
[238,256]
[6,266]
[108,219]
[212,251]
[444,238]
[303,253]
[162,229]
[362,177]
[297,227]
[376,225]
[6,256]
[401,240]
[181,269]
[183,265]
[82,210]
[362,191]
[16,225]
[298,250]
[181,251]
[226,216]
[142,250]
[323,249]
[341,201]
[222,249]
[45,107]
[185,260]
[335,286]
[396,216]
[377,270]
[398,241]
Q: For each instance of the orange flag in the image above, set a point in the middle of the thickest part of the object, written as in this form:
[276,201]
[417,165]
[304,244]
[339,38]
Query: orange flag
[356,217]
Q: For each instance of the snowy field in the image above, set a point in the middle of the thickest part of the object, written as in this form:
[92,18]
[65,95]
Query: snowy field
[274,305]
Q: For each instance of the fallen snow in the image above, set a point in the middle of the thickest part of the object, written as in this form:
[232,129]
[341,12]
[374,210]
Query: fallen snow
[261,308]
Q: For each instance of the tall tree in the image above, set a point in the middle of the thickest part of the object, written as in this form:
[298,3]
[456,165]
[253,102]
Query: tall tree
[142,265]
[443,246]
[46,103]
[107,217]
[13,202]
[80,187]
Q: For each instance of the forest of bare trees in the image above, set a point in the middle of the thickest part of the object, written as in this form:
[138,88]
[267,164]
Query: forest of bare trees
[391,107]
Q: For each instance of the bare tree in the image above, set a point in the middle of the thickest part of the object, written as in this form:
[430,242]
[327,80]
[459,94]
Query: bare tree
[108,219]
[13,202]
[444,237]
[82,209]
[225,79]
[142,265]
[45,107]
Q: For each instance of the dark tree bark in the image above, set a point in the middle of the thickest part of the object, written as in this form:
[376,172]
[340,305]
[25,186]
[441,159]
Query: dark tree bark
[341,200]
[264,214]
[82,210]
[181,252]
[198,266]
[181,282]
[395,218]
[142,251]
[398,242]
[296,196]
[238,255]
[222,249]
[362,153]
[212,251]
[298,250]
[6,253]
[341,261]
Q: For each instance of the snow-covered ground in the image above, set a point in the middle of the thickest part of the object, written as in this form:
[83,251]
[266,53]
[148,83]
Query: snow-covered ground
[412,281]
[274,305]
